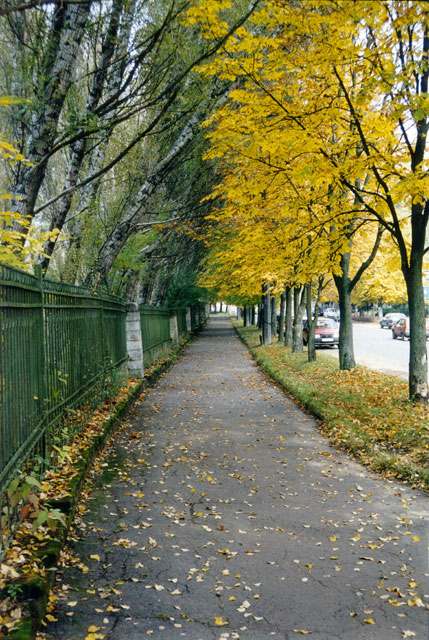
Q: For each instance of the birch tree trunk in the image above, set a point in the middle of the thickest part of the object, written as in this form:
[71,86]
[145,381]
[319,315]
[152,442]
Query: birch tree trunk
[79,148]
[129,224]
[64,40]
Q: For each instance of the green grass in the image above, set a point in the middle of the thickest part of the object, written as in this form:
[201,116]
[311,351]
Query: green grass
[364,412]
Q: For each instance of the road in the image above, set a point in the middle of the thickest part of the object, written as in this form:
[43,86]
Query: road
[376,349]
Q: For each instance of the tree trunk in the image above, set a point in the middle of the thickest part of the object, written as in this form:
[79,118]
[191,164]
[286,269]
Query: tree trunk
[282,317]
[253,315]
[260,312]
[245,315]
[129,224]
[311,348]
[79,148]
[56,77]
[289,317]
[266,316]
[342,283]
[298,310]
[418,375]
[273,317]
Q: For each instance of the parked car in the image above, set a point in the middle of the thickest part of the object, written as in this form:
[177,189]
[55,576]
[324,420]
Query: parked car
[401,329]
[326,333]
[331,313]
[390,319]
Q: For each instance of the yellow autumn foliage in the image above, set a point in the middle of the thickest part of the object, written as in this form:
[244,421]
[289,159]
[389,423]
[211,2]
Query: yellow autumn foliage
[312,143]
[18,242]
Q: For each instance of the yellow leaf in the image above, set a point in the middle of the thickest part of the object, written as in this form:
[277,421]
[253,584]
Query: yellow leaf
[50,618]
[369,621]
[220,621]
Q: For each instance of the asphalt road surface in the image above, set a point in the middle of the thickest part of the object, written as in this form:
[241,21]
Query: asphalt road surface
[224,514]
[376,349]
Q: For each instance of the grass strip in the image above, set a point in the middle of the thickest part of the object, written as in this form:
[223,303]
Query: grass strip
[364,412]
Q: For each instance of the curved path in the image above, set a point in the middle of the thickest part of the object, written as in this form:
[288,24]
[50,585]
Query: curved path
[224,514]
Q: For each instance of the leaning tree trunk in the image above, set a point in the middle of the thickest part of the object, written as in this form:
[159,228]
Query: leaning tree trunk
[273,317]
[282,317]
[266,316]
[418,374]
[79,148]
[311,347]
[342,283]
[298,312]
[289,317]
[57,72]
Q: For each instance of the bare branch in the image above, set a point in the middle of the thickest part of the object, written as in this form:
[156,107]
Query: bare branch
[38,4]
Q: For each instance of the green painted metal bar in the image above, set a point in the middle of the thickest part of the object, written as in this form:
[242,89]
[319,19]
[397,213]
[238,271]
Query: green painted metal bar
[56,342]
[155,326]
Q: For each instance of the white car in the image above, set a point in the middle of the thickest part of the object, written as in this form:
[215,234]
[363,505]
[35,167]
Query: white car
[332,313]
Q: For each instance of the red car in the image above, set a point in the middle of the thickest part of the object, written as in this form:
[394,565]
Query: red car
[401,329]
[326,333]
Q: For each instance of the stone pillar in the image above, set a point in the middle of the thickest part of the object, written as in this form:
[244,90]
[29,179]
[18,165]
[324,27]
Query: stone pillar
[174,328]
[188,320]
[134,342]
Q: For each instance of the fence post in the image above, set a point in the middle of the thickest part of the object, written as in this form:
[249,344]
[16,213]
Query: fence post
[45,388]
[134,342]
[188,320]
[174,328]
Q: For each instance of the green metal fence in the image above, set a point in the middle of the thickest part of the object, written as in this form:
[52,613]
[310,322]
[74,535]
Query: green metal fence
[181,321]
[56,342]
[155,327]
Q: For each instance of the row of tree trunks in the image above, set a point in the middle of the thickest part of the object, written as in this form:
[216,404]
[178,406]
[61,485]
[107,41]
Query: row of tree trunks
[58,64]
[249,315]
[113,40]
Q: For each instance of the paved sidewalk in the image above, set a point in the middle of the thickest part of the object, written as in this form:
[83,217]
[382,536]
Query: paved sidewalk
[224,514]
